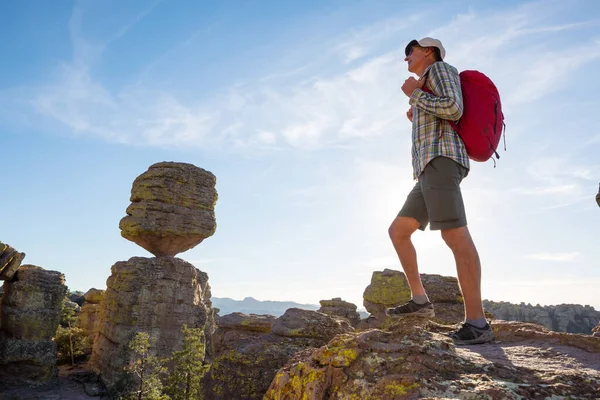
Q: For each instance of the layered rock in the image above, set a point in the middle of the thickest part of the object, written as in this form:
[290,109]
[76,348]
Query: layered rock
[340,308]
[30,314]
[596,330]
[89,314]
[572,318]
[250,349]
[172,208]
[10,261]
[390,288]
[154,295]
[417,361]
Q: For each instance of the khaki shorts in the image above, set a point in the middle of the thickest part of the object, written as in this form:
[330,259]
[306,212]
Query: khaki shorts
[436,198]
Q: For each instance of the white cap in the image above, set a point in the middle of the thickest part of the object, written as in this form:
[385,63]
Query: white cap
[426,42]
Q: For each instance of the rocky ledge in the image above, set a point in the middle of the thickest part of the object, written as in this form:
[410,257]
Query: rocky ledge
[416,360]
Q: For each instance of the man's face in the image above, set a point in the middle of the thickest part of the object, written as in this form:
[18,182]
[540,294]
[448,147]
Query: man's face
[415,59]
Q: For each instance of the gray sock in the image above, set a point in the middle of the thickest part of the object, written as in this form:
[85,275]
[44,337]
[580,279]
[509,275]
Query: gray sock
[422,299]
[479,322]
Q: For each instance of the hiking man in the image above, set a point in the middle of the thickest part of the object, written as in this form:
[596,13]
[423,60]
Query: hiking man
[440,162]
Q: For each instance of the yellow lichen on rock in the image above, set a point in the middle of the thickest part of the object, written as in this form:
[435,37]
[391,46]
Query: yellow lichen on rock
[387,288]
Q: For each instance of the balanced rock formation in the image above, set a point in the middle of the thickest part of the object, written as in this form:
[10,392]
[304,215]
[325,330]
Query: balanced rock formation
[10,261]
[153,295]
[572,318]
[340,308]
[172,208]
[30,314]
[415,360]
[250,349]
[389,288]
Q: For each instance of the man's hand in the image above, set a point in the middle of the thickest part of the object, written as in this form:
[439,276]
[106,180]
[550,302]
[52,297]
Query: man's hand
[409,114]
[410,85]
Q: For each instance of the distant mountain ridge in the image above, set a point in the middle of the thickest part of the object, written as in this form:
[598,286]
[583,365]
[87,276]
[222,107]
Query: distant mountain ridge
[250,305]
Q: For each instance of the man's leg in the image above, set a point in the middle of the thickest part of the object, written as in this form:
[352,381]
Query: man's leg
[411,217]
[441,182]
[468,268]
[400,232]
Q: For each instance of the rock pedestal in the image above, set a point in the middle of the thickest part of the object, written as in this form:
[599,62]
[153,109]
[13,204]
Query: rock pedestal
[30,314]
[153,295]
[172,210]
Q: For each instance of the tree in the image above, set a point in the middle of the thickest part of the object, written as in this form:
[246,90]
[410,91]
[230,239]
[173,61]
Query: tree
[146,368]
[68,318]
[185,380]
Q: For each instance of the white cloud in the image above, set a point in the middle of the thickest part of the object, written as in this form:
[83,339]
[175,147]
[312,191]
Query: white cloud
[558,257]
[315,107]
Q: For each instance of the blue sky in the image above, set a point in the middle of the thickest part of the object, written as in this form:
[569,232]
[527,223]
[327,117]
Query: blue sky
[296,107]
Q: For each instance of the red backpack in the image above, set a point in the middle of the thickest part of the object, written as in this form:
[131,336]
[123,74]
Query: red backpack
[480,126]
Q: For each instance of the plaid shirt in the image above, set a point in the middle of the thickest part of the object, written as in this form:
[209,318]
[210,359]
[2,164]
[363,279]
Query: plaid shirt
[432,134]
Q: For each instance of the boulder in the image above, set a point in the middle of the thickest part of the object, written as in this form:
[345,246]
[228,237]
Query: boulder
[297,322]
[30,314]
[340,308]
[172,208]
[243,322]
[389,288]
[416,360]
[154,295]
[10,261]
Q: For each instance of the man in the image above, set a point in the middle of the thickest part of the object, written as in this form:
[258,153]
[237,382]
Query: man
[440,162]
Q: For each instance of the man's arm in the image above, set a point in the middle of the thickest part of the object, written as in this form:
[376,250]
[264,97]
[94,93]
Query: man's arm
[445,81]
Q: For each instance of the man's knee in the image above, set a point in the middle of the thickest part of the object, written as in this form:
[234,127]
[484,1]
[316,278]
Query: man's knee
[456,237]
[403,228]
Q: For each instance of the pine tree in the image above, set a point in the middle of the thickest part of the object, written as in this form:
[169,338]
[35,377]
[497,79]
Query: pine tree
[147,369]
[185,380]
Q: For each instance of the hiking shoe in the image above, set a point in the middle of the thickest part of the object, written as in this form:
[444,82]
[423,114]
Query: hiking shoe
[411,308]
[469,334]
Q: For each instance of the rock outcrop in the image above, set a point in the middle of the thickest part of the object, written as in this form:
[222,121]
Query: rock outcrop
[250,349]
[10,261]
[341,308]
[89,314]
[572,318]
[415,360]
[598,196]
[390,288]
[172,208]
[154,295]
[596,330]
[30,314]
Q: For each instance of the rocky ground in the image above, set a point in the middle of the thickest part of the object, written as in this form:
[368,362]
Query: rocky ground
[415,360]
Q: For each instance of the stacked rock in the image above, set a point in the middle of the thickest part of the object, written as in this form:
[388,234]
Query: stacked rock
[341,308]
[172,210]
[31,310]
[10,261]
